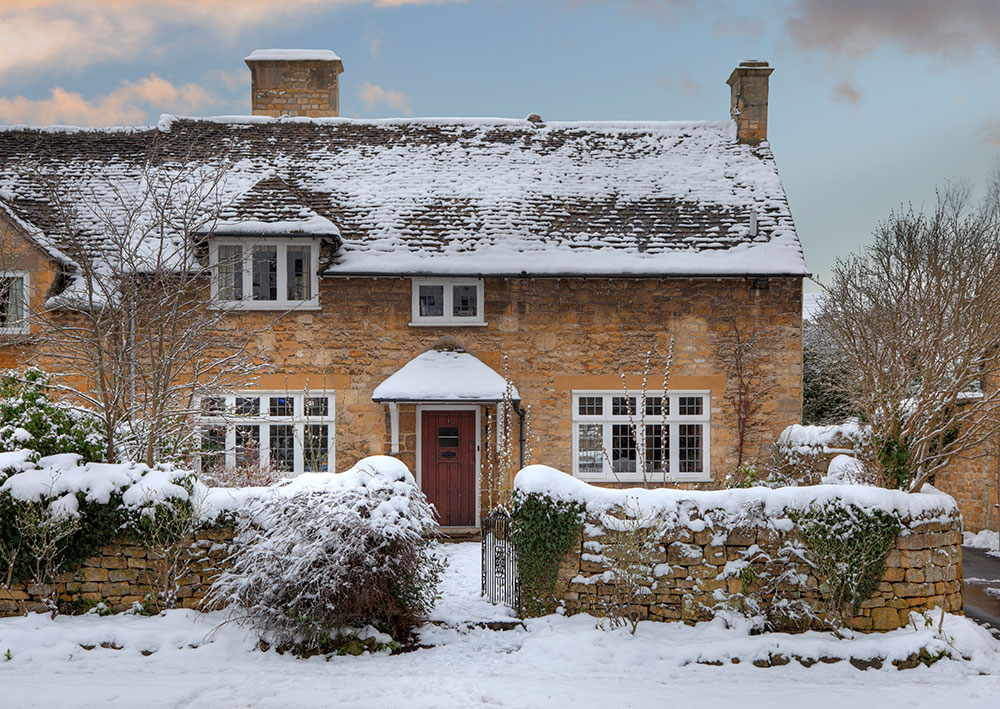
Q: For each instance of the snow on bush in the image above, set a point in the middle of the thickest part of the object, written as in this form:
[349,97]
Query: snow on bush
[30,419]
[329,552]
[55,512]
[761,506]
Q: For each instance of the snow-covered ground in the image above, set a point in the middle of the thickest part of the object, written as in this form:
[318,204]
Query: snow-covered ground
[183,659]
[986,540]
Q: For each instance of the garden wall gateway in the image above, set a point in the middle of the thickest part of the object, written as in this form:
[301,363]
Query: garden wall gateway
[793,558]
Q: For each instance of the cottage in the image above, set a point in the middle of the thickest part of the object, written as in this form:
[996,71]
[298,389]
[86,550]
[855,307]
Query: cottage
[391,267]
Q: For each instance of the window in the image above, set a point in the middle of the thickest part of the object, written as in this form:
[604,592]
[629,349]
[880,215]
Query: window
[259,275]
[13,303]
[289,433]
[453,301]
[675,438]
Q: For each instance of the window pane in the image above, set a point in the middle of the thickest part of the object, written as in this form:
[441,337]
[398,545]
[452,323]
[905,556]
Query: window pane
[448,437]
[282,445]
[317,406]
[213,405]
[689,448]
[247,405]
[431,301]
[247,446]
[590,405]
[281,406]
[265,273]
[12,308]
[622,448]
[654,405]
[316,447]
[299,272]
[213,448]
[464,301]
[690,405]
[620,408]
[230,272]
[590,448]
[657,445]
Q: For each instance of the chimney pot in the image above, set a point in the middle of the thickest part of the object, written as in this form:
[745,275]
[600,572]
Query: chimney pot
[748,86]
[295,82]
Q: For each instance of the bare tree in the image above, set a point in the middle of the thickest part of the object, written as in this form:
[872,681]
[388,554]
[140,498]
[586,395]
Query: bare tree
[916,316]
[135,335]
[745,349]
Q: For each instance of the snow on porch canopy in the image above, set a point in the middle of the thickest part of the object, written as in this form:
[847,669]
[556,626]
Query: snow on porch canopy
[439,376]
[443,376]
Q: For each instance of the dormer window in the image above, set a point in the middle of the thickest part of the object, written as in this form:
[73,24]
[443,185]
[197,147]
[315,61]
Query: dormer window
[13,302]
[447,301]
[265,274]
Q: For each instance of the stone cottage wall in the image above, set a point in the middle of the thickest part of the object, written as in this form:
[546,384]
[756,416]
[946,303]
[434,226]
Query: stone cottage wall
[923,571]
[121,574]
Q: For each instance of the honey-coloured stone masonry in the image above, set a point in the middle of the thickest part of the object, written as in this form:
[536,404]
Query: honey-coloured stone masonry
[923,571]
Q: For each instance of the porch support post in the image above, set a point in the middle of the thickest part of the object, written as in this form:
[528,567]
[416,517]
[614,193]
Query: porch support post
[393,427]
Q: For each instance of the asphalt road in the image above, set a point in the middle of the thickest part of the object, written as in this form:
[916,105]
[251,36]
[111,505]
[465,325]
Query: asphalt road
[981,572]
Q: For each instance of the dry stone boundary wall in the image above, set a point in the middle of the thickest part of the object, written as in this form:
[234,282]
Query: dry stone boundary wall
[123,573]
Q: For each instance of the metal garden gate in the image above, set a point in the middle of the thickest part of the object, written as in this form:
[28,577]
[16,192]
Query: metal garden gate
[500,581]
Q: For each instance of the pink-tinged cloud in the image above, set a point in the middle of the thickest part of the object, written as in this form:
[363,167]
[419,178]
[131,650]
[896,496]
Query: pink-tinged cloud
[946,28]
[989,133]
[40,35]
[129,104]
[847,92]
[374,95]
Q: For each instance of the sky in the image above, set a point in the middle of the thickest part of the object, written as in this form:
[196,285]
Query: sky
[872,104]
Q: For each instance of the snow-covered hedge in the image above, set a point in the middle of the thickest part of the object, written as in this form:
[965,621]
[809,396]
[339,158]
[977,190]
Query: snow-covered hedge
[757,505]
[56,511]
[325,553]
[31,419]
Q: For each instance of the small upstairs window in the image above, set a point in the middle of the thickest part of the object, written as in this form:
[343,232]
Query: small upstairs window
[265,275]
[447,301]
[13,302]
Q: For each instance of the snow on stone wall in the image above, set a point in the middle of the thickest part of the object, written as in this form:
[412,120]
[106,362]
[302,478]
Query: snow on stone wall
[708,536]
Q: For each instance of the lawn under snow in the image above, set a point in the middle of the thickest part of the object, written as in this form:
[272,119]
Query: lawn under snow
[183,659]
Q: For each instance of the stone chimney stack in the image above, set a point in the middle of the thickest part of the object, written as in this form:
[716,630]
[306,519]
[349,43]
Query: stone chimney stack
[295,82]
[748,100]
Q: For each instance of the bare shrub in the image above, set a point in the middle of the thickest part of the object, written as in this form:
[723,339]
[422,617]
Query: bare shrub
[306,568]
[633,549]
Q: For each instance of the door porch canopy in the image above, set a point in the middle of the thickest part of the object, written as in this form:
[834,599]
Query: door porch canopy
[440,377]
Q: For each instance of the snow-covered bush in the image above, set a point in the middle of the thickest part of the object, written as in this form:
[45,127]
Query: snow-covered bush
[56,512]
[330,552]
[31,419]
[847,546]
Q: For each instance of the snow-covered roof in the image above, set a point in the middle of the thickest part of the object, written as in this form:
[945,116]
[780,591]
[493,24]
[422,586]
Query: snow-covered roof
[314,55]
[462,196]
[443,376]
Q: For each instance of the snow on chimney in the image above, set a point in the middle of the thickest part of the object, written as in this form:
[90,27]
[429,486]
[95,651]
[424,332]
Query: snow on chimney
[295,82]
[748,100]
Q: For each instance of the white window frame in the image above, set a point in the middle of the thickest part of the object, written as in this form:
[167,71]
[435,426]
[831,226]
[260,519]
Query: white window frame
[24,325]
[281,246]
[264,420]
[448,319]
[673,421]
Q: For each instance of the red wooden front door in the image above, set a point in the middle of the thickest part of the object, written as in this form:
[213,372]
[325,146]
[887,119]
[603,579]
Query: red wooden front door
[448,465]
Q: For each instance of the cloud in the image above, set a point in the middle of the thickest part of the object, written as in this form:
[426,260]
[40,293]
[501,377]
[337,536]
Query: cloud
[989,133]
[847,92]
[42,35]
[129,104]
[372,94]
[682,81]
[953,29]
[374,44]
